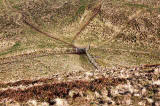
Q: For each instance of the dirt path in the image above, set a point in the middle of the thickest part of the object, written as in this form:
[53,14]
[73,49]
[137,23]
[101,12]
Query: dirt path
[31,53]
[87,18]
[18,57]
[31,25]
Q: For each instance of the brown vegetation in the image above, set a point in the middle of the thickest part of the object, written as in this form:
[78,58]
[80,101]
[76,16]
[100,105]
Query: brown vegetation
[51,91]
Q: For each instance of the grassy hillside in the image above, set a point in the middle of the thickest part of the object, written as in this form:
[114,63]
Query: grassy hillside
[120,33]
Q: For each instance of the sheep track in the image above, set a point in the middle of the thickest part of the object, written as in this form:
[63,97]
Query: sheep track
[35,54]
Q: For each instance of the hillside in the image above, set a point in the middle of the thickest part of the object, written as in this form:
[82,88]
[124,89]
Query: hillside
[40,59]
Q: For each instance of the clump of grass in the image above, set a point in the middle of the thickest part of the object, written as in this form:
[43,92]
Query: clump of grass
[79,12]
[12,49]
[83,5]
[15,46]
[16,6]
[159,9]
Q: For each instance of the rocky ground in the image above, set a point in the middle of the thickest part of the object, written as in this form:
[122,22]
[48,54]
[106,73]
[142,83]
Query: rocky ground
[136,86]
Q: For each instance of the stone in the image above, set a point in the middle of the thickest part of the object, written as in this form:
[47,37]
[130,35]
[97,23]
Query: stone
[61,102]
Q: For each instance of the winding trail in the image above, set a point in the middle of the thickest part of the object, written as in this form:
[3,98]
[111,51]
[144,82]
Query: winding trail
[34,54]
[31,25]
[44,52]
[88,18]
[21,57]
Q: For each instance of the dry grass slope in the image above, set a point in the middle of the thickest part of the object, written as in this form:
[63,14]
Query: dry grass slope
[124,39]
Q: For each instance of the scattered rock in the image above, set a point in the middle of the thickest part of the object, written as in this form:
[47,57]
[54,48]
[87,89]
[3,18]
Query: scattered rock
[150,100]
[101,101]
[157,103]
[159,16]
[144,91]
[122,90]
[32,103]
[141,103]
[51,102]
[75,93]
[156,82]
[157,71]
[43,104]
[88,75]
[61,102]
[97,95]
